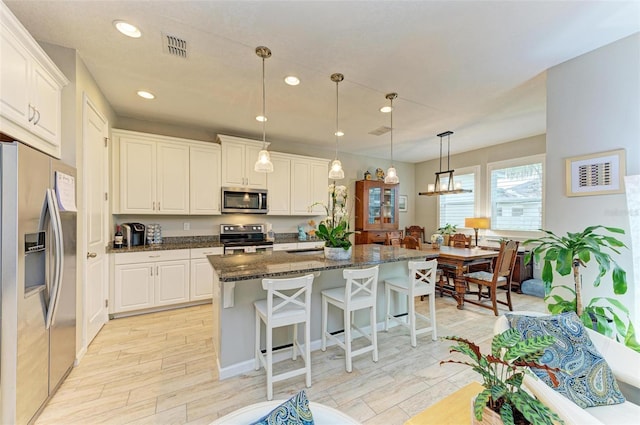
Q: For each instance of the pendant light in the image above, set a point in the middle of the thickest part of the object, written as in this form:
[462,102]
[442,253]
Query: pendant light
[392,175]
[336,172]
[263,164]
[452,188]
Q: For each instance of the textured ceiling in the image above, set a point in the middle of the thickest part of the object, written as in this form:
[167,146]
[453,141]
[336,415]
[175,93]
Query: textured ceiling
[474,67]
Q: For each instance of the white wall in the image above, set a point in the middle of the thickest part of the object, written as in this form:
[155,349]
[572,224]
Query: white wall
[593,105]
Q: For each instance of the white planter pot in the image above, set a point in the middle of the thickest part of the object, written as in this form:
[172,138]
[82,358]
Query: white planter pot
[337,253]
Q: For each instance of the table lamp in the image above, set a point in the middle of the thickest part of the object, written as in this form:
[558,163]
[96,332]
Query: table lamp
[477,223]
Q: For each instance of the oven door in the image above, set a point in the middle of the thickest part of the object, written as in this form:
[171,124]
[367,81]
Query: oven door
[230,250]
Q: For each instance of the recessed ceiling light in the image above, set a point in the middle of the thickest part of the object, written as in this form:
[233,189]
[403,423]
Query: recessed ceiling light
[385,109]
[339,133]
[146,94]
[292,80]
[261,118]
[127,29]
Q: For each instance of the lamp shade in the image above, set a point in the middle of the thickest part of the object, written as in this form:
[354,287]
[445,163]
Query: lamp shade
[477,222]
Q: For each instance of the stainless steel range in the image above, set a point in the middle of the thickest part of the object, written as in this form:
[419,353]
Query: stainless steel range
[238,238]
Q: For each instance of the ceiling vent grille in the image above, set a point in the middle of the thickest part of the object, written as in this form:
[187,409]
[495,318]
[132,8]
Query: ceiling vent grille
[596,174]
[380,130]
[174,46]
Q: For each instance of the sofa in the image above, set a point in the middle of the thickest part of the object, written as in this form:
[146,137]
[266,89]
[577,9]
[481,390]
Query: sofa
[623,361]
[322,415]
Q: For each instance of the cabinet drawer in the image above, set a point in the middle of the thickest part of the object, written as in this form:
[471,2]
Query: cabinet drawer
[285,246]
[377,236]
[310,245]
[151,256]
[203,252]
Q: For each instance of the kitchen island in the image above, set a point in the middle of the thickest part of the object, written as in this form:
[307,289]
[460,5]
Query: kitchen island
[238,283]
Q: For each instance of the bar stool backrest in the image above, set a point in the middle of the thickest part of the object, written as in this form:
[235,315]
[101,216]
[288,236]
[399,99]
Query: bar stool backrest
[362,284]
[423,274]
[288,294]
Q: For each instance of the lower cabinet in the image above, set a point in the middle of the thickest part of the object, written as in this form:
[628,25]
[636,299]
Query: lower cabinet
[201,282]
[144,280]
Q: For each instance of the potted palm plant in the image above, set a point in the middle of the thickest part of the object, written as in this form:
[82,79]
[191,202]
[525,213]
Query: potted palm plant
[334,229]
[502,374]
[568,253]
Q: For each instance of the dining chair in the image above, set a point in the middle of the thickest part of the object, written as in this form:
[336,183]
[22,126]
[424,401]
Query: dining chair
[393,238]
[460,240]
[421,281]
[415,231]
[410,242]
[500,277]
[288,303]
[358,293]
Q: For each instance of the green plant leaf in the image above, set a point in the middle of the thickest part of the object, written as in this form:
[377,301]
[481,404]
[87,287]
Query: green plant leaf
[506,414]
[564,262]
[619,280]
[547,272]
[529,346]
[481,401]
[506,339]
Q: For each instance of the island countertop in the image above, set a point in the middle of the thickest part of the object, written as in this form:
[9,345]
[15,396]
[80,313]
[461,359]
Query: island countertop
[232,268]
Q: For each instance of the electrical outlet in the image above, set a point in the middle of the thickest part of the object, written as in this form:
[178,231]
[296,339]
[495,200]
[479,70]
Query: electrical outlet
[186,226]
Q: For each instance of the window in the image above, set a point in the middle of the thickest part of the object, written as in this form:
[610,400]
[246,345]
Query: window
[454,208]
[516,193]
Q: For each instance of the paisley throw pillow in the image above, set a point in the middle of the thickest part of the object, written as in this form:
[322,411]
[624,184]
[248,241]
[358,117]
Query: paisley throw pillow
[585,377]
[294,411]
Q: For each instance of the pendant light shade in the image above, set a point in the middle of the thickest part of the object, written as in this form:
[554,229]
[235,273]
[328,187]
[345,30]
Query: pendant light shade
[336,172]
[392,175]
[263,164]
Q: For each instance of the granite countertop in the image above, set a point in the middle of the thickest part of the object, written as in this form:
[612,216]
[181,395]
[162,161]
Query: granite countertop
[232,268]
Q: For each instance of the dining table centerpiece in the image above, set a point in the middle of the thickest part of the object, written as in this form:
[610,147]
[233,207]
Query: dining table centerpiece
[334,229]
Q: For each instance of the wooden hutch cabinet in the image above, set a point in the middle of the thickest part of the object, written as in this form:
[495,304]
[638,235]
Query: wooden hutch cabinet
[376,210]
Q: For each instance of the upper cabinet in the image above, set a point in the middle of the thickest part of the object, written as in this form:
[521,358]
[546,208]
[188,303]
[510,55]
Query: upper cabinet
[279,186]
[309,183]
[165,175]
[30,88]
[238,159]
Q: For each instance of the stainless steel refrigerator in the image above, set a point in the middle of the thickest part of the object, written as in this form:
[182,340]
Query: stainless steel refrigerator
[38,270]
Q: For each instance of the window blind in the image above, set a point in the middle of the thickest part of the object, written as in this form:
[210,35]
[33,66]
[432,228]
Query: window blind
[454,208]
[516,197]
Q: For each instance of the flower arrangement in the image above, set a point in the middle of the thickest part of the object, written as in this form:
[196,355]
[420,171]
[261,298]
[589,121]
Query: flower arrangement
[334,229]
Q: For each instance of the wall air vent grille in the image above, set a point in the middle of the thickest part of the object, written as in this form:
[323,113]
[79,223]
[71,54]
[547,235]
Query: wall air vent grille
[596,174]
[380,131]
[174,46]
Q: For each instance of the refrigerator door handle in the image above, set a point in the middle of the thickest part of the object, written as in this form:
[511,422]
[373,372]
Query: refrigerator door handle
[54,295]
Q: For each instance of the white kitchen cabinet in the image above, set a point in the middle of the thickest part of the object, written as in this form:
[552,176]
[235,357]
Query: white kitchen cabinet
[238,159]
[204,180]
[149,279]
[165,175]
[309,183]
[292,246]
[310,245]
[201,285]
[279,186]
[30,88]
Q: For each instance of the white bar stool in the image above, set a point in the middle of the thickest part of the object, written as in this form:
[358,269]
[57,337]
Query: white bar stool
[281,309]
[359,293]
[421,281]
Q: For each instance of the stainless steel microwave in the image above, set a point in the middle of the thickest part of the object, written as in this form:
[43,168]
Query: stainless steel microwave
[244,200]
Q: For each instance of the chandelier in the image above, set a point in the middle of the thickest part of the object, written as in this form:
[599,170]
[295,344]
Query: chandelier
[451,187]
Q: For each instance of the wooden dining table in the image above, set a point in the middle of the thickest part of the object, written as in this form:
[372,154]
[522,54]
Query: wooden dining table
[460,259]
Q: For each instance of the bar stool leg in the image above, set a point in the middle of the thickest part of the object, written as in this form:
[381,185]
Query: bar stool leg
[294,354]
[269,363]
[347,338]
[257,353]
[412,320]
[374,333]
[325,308]
[307,351]
[432,315]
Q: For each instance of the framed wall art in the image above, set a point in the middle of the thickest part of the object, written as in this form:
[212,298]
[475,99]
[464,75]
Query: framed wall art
[402,203]
[595,174]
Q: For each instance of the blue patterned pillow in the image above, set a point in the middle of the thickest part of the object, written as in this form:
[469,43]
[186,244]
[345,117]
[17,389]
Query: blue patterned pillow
[585,377]
[294,411]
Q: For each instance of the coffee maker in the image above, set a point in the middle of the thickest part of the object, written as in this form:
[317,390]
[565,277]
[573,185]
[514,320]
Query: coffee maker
[133,234]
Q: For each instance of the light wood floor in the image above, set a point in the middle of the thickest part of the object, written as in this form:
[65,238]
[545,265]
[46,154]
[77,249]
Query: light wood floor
[160,369]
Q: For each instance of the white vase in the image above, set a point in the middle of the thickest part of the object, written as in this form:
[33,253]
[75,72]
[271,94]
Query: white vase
[340,253]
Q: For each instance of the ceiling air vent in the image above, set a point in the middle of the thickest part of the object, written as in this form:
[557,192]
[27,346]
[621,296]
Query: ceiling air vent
[595,174]
[380,130]
[174,46]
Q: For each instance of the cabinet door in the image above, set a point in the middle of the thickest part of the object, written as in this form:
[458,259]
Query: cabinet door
[172,168]
[14,80]
[137,176]
[134,287]
[233,165]
[204,180]
[45,95]
[318,186]
[172,282]
[373,196]
[279,187]
[253,179]
[201,287]
[389,207]
[300,187]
